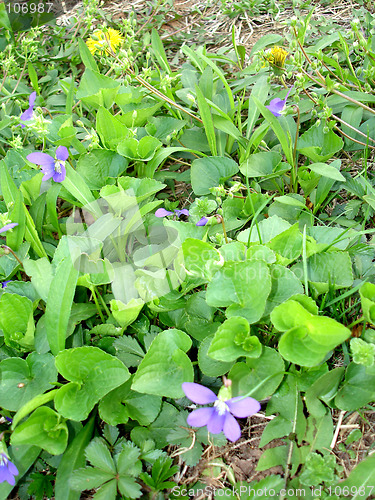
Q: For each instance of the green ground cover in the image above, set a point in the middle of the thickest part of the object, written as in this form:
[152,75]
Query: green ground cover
[186,223]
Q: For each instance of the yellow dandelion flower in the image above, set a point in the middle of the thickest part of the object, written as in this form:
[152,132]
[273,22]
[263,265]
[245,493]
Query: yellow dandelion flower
[101,41]
[276,56]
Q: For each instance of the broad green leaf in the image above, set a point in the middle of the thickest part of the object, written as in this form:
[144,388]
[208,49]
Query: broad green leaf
[86,56]
[367,294]
[16,320]
[263,374]
[23,379]
[358,388]
[44,428]
[287,245]
[327,171]
[92,374]
[361,479]
[260,164]
[209,366]
[289,315]
[59,304]
[317,145]
[232,340]
[327,269]
[97,90]
[268,229]
[126,314]
[284,284]
[97,453]
[236,286]
[31,405]
[165,366]
[110,129]
[123,403]
[201,259]
[98,165]
[41,275]
[211,172]
[159,52]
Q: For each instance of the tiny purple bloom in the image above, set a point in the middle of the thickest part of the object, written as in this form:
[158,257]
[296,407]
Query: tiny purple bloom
[202,222]
[8,226]
[219,417]
[10,420]
[4,284]
[28,114]
[277,105]
[162,212]
[7,470]
[51,167]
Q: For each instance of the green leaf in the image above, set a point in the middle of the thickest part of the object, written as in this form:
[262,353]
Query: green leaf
[86,56]
[327,269]
[358,388]
[123,403]
[165,366]
[98,165]
[72,459]
[16,320]
[327,171]
[201,259]
[209,366]
[205,112]
[233,340]
[43,428]
[266,229]
[236,286]
[260,164]
[59,304]
[92,374]
[367,294]
[41,274]
[23,379]
[361,479]
[126,314]
[211,172]
[97,453]
[263,374]
[89,478]
[159,52]
[317,145]
[97,90]
[110,129]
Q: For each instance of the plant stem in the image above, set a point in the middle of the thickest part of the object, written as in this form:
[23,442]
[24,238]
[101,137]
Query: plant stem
[295,163]
[7,250]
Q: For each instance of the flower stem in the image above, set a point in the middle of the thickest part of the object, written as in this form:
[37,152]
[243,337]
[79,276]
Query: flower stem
[294,182]
[220,219]
[7,250]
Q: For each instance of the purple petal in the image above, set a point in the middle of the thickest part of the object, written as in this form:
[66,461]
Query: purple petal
[161,212]
[7,418]
[216,423]
[32,99]
[276,106]
[62,153]
[243,407]
[27,115]
[198,393]
[231,428]
[4,284]
[202,222]
[12,468]
[200,417]
[48,171]
[184,211]
[8,226]
[41,159]
[59,176]
[5,475]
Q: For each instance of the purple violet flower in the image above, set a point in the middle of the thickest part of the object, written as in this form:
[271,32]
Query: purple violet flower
[7,470]
[277,105]
[8,226]
[220,416]
[51,167]
[4,284]
[202,222]
[162,212]
[28,114]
